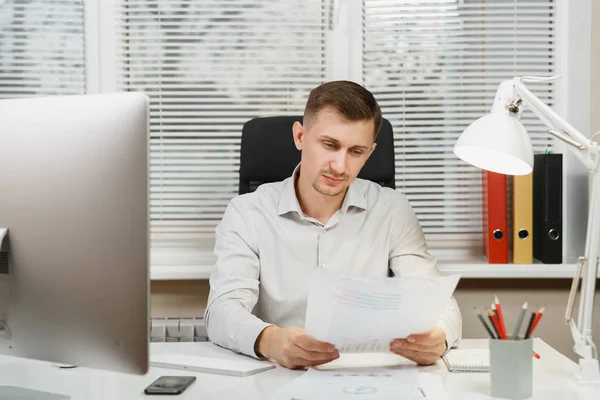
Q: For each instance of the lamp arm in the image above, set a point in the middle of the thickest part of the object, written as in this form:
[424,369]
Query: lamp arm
[586,150]
[588,153]
[547,115]
[588,267]
[591,259]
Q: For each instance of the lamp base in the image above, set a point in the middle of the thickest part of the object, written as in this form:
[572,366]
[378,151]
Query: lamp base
[589,372]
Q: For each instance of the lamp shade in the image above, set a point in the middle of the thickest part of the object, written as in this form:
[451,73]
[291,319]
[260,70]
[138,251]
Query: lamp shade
[497,142]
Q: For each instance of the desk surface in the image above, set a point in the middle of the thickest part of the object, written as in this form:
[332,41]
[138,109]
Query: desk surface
[552,378]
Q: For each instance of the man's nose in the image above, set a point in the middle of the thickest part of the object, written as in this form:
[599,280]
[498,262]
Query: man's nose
[339,163]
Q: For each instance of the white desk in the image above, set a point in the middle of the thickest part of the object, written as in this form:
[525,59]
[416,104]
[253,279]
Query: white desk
[551,378]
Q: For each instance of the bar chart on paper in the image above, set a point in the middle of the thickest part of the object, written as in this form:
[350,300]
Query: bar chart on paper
[363,384]
[366,346]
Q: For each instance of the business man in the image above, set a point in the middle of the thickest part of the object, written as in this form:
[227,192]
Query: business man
[269,241]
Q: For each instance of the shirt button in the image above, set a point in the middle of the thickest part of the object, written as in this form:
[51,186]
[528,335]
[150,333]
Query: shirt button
[323,265]
[324,230]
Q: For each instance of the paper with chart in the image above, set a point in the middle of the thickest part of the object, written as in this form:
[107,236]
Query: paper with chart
[370,384]
[365,314]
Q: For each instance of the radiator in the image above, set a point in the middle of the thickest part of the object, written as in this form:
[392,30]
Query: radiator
[178,330]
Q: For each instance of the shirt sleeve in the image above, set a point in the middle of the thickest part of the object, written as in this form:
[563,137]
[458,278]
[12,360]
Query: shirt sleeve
[234,283]
[409,257]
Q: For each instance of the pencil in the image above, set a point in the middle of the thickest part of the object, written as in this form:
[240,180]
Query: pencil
[497,322]
[490,316]
[485,325]
[537,319]
[500,317]
[497,326]
[527,332]
[519,322]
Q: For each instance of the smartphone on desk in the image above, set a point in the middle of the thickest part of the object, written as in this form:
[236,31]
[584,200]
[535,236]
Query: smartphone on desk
[170,385]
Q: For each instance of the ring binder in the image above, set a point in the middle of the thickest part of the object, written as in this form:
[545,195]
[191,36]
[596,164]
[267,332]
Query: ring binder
[495,224]
[547,208]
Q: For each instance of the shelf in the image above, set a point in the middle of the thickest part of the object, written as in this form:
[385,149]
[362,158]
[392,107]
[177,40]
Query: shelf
[467,269]
[485,271]
[180,272]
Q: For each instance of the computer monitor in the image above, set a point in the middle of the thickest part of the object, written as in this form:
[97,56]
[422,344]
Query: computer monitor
[74,275]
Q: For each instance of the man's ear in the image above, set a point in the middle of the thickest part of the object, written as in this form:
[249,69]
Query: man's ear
[372,149]
[298,132]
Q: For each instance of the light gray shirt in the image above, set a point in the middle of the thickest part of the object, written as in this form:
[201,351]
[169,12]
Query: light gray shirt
[266,248]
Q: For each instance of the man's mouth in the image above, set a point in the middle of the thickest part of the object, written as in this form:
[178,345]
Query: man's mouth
[333,179]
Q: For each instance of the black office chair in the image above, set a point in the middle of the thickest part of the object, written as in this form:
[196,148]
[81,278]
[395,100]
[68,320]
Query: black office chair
[268,154]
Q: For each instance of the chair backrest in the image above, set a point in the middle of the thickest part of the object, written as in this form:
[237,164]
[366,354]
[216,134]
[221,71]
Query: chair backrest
[268,154]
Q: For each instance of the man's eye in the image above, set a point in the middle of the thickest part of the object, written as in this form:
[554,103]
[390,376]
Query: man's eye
[357,153]
[329,145]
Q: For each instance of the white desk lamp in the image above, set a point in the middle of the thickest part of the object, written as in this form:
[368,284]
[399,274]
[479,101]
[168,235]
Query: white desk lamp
[498,142]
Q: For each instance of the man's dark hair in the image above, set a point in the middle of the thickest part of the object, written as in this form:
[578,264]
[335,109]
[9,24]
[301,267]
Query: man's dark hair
[349,99]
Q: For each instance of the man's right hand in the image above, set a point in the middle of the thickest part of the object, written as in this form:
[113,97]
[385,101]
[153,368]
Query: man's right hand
[292,348]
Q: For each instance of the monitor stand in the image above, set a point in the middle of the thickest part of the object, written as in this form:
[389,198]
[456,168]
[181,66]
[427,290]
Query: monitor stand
[13,392]
[17,393]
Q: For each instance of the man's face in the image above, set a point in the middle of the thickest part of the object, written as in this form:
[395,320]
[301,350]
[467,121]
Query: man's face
[333,150]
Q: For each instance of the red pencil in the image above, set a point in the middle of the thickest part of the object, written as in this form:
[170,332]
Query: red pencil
[497,325]
[536,320]
[494,314]
[493,308]
[490,315]
[500,317]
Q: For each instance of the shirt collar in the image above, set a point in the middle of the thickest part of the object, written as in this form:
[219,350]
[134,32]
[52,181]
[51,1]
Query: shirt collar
[354,198]
[289,201]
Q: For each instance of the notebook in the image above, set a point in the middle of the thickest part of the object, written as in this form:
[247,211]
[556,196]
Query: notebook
[241,367]
[467,360]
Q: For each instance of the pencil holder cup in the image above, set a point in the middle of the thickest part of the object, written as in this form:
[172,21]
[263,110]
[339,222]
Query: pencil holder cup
[511,368]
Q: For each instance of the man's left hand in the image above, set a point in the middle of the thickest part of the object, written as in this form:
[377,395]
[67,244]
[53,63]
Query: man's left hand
[424,349]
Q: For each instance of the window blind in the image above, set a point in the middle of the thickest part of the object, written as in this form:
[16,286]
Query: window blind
[41,48]
[209,66]
[434,67]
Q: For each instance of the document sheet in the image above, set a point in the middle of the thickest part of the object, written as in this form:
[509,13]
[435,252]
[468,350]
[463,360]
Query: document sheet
[369,384]
[359,314]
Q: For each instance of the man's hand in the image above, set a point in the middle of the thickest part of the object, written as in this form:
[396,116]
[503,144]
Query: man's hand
[291,347]
[424,349]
